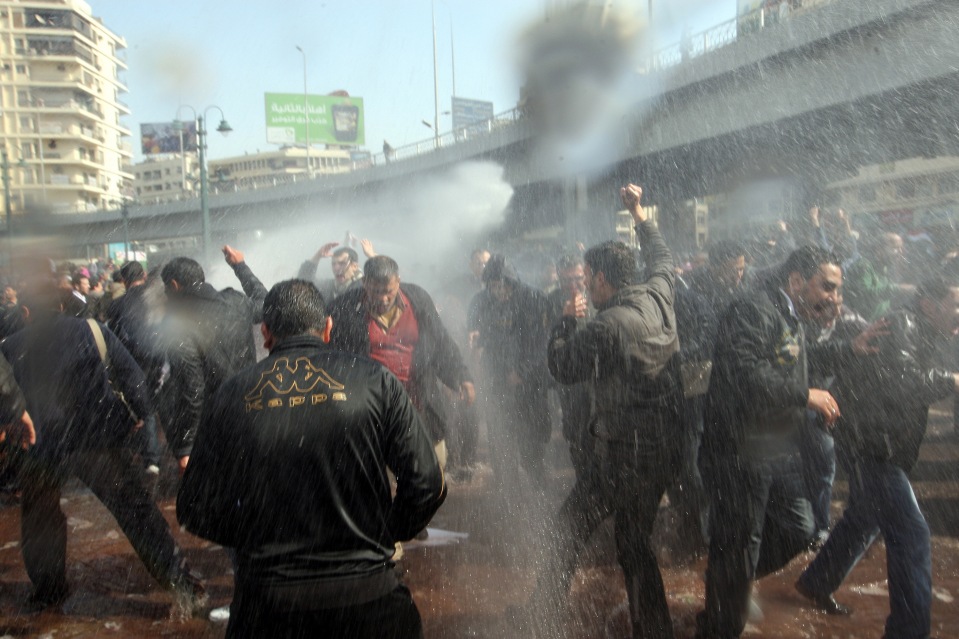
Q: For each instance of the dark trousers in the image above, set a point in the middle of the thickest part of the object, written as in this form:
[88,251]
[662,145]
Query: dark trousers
[688,495]
[519,430]
[146,441]
[464,433]
[117,482]
[630,487]
[391,617]
[759,520]
[881,499]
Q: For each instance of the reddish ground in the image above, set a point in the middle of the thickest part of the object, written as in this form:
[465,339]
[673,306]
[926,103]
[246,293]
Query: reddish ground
[463,589]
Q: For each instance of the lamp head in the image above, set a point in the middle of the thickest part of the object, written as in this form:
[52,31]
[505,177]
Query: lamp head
[224,127]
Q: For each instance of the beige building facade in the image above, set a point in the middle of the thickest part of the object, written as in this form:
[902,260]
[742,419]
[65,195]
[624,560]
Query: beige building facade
[60,88]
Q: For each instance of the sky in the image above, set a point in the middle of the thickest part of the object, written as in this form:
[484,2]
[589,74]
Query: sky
[228,53]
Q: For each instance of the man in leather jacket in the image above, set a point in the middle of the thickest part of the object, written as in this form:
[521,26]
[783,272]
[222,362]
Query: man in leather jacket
[628,353]
[290,469]
[757,401]
[208,336]
[885,417]
[396,324]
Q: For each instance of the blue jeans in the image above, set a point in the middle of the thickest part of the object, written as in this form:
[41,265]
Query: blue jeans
[818,450]
[881,500]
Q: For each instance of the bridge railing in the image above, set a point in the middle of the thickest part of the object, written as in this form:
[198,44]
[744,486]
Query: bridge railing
[691,45]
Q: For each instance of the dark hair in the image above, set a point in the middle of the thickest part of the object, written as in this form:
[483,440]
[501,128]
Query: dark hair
[132,272]
[499,268]
[568,261]
[935,288]
[381,268]
[354,258]
[614,260]
[806,260]
[187,272]
[116,275]
[293,307]
[724,251]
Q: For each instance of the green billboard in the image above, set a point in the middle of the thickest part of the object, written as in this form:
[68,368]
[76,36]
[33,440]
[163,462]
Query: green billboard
[333,119]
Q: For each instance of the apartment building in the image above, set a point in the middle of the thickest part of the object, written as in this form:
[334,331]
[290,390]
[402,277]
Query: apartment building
[166,178]
[60,87]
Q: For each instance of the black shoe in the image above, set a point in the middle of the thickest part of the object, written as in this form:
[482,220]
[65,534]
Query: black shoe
[823,603]
[47,598]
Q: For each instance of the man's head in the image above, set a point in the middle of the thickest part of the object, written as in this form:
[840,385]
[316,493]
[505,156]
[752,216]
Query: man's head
[132,274]
[610,266]
[381,283]
[499,278]
[938,300]
[478,260]
[292,308]
[345,263]
[572,275]
[813,280]
[727,262]
[181,274]
[9,295]
[81,283]
[886,249]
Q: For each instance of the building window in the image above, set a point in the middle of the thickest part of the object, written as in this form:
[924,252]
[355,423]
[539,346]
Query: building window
[22,69]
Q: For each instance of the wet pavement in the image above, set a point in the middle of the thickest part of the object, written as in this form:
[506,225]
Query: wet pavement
[462,589]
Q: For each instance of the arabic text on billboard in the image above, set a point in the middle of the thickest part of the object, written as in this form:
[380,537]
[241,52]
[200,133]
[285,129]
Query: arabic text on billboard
[333,119]
[164,137]
[472,114]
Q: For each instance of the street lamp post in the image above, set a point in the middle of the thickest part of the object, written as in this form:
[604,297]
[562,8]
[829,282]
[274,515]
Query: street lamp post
[306,114]
[125,213]
[201,132]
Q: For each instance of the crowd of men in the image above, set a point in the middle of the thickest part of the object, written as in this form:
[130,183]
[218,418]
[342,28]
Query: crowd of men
[736,388]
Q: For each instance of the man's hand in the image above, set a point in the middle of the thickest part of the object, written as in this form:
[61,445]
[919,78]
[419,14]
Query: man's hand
[863,344]
[575,306]
[325,251]
[631,195]
[138,425]
[467,393]
[474,339]
[183,461]
[21,433]
[814,216]
[367,247]
[823,403]
[232,255]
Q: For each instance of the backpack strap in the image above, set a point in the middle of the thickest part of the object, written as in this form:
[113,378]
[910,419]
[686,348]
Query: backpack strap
[98,338]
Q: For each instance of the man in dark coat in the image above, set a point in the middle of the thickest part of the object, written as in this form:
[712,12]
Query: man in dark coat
[208,337]
[82,431]
[756,403]
[509,327]
[397,325]
[290,470]
[629,354]
[885,415]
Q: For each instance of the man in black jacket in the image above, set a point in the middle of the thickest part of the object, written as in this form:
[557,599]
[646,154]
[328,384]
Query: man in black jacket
[208,338]
[83,431]
[289,468]
[629,354]
[755,405]
[509,326]
[885,417]
[397,325]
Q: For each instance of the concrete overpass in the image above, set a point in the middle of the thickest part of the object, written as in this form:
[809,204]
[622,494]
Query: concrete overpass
[850,83]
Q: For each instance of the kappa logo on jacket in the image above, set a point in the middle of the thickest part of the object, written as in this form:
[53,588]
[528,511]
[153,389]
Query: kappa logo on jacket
[286,385]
